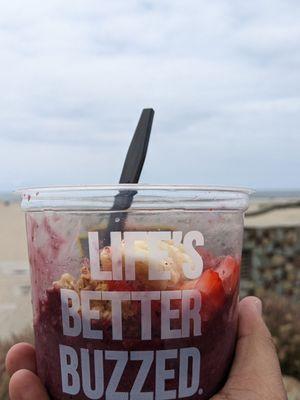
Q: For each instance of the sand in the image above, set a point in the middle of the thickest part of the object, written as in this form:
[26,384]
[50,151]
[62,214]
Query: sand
[15,306]
[283,217]
[12,233]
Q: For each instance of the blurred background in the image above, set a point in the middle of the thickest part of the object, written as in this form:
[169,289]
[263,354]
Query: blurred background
[223,78]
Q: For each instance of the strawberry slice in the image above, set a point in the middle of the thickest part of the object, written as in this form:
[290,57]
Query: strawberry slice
[228,270]
[212,293]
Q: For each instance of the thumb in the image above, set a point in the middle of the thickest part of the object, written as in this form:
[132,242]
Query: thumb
[255,373]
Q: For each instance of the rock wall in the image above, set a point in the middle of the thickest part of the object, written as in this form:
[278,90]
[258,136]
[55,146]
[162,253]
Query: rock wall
[271,260]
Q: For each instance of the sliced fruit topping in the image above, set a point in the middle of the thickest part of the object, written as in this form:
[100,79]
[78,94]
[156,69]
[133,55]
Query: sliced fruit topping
[212,292]
[228,270]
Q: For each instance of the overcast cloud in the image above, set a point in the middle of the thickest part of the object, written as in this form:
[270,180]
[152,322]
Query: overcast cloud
[223,77]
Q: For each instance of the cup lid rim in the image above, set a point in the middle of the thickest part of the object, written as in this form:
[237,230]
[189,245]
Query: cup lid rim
[124,186]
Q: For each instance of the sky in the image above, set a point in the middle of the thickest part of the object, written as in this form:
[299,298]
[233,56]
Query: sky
[222,76]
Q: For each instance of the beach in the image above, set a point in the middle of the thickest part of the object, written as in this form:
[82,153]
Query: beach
[15,305]
[12,233]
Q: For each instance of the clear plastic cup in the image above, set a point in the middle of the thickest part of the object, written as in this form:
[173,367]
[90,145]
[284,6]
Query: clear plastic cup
[136,303]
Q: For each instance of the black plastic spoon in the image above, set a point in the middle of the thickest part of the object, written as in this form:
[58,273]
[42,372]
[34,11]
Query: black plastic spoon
[131,172]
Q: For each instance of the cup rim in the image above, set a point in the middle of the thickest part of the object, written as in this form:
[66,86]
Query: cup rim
[125,186]
[102,197]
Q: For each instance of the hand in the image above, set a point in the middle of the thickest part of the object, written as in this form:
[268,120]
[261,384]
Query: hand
[255,373]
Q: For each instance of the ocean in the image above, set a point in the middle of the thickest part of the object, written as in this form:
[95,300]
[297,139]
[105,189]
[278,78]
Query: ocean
[279,193]
[9,197]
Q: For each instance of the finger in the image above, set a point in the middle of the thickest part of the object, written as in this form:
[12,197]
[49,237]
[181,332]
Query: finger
[25,385]
[20,356]
[256,367]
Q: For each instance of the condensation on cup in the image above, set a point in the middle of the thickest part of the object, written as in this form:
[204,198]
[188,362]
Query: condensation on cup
[142,309]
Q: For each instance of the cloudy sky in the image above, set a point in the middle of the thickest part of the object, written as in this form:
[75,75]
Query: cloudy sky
[222,75]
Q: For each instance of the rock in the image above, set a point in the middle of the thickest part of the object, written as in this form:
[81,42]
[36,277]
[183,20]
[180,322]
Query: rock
[278,274]
[289,267]
[277,261]
[279,234]
[287,287]
[289,252]
[247,288]
[268,275]
[265,242]
[291,237]
[289,317]
[292,387]
[291,276]
[259,233]
[269,249]
[297,261]
[256,261]
[285,331]
[259,292]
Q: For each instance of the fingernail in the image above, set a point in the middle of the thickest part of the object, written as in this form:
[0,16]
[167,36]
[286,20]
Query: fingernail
[258,305]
